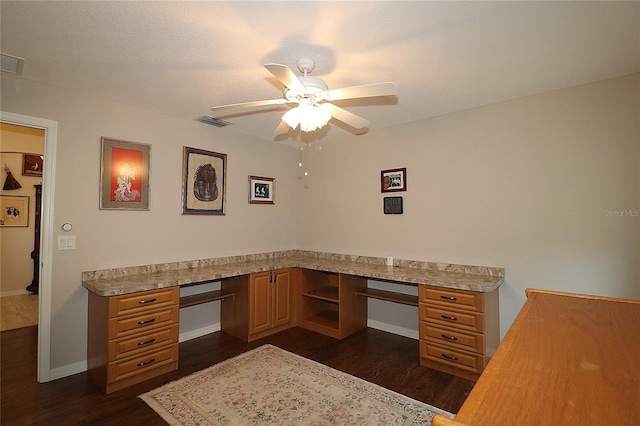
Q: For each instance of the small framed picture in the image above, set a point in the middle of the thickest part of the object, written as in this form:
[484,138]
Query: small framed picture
[262,190]
[15,211]
[392,205]
[204,181]
[393,180]
[32,164]
[124,175]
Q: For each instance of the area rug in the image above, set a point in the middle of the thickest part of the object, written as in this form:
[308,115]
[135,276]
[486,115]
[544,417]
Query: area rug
[271,386]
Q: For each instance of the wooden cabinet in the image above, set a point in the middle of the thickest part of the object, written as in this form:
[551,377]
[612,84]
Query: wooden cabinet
[263,304]
[132,338]
[329,304]
[459,330]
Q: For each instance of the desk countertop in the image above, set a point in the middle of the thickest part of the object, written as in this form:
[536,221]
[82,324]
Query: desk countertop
[120,281]
[567,360]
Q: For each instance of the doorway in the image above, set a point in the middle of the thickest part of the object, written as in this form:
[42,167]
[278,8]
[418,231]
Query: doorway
[46,234]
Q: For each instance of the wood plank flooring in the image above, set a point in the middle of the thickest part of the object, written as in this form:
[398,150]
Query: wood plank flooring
[383,358]
[18,311]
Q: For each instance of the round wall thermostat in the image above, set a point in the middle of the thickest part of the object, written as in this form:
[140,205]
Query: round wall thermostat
[67,227]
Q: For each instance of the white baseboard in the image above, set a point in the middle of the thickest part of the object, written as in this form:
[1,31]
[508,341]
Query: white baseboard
[67,370]
[193,334]
[406,332]
[13,293]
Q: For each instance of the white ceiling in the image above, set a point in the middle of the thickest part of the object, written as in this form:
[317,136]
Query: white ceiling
[182,58]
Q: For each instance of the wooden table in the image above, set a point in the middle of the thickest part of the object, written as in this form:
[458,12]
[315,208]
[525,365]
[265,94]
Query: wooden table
[568,359]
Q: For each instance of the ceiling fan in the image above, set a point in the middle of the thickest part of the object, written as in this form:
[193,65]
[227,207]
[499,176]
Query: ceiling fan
[313,98]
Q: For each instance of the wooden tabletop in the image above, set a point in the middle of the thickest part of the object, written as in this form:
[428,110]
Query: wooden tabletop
[568,359]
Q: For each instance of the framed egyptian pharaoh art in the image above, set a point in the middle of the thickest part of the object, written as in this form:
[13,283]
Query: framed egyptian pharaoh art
[204,181]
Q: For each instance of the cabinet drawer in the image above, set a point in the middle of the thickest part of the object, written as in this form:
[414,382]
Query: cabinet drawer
[141,343]
[459,359]
[452,298]
[126,326]
[139,302]
[452,338]
[471,321]
[145,363]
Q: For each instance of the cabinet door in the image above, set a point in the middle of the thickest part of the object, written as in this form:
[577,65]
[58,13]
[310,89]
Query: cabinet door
[282,296]
[260,302]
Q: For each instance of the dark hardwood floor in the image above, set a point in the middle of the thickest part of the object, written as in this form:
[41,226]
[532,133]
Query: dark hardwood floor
[383,358]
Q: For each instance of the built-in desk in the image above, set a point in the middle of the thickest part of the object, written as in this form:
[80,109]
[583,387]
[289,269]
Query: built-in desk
[458,307]
[568,359]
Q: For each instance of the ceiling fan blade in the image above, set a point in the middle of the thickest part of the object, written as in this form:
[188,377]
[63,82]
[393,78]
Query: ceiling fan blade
[286,76]
[345,116]
[250,104]
[365,91]
[281,129]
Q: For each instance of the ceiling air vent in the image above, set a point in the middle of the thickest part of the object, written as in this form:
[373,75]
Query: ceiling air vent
[213,121]
[11,64]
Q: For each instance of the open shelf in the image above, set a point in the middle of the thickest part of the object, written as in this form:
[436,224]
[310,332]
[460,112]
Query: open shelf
[328,319]
[329,293]
[389,296]
[209,296]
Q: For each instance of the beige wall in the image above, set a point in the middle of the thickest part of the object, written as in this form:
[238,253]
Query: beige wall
[522,185]
[530,185]
[16,243]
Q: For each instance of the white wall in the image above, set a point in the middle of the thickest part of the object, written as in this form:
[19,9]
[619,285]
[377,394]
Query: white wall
[107,238]
[524,185]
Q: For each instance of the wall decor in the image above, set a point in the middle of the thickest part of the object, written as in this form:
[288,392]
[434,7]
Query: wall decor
[393,180]
[392,205]
[262,190]
[124,175]
[32,164]
[204,181]
[15,211]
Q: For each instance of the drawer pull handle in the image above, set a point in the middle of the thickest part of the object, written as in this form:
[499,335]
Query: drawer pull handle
[448,318]
[144,302]
[143,322]
[147,342]
[452,338]
[452,298]
[151,361]
[450,358]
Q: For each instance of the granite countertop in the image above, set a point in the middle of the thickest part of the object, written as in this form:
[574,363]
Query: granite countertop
[118,281]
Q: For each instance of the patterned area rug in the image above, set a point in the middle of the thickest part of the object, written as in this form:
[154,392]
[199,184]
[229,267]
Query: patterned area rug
[271,386]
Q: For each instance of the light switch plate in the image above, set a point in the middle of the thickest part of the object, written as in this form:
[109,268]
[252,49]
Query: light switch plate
[67,242]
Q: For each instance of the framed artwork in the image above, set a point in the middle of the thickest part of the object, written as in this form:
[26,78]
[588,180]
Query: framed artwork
[204,181]
[15,211]
[392,205]
[262,190]
[124,175]
[32,164]
[393,180]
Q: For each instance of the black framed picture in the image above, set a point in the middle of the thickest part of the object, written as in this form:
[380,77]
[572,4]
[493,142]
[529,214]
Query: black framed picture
[392,205]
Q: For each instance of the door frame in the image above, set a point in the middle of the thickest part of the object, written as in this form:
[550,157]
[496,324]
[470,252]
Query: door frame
[50,128]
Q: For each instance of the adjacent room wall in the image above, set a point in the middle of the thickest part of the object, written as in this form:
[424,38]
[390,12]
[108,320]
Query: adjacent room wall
[17,242]
[545,186]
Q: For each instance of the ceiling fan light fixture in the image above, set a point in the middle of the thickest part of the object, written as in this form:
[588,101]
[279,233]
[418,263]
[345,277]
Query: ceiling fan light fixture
[309,117]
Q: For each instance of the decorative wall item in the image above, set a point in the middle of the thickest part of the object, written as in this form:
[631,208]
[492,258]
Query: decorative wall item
[262,190]
[124,175]
[10,183]
[32,164]
[392,205]
[204,181]
[393,180]
[15,211]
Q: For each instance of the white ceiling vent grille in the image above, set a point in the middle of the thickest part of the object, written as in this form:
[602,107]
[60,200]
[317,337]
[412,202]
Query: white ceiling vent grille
[11,64]
[213,121]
